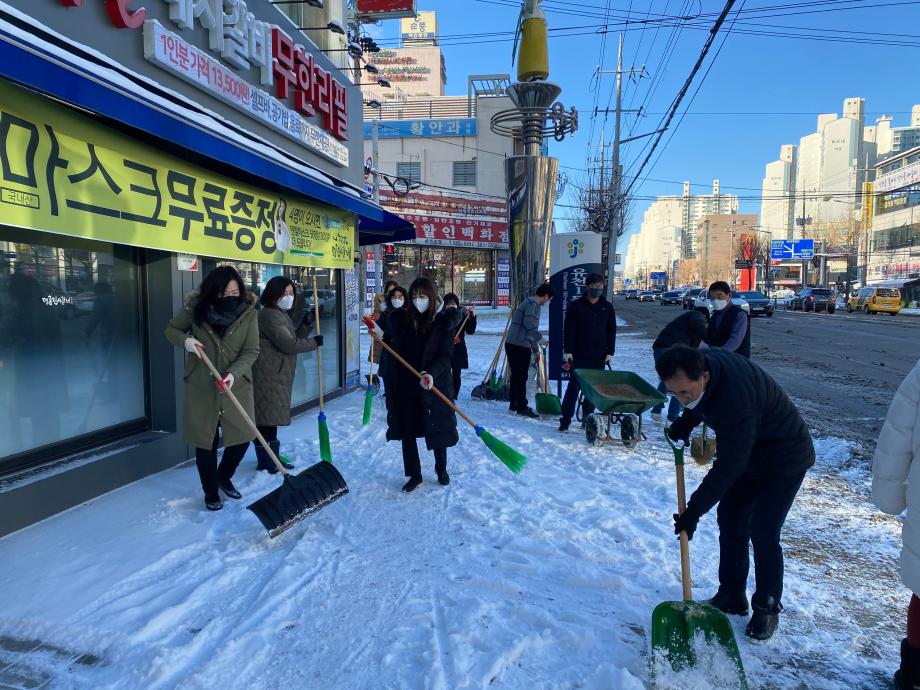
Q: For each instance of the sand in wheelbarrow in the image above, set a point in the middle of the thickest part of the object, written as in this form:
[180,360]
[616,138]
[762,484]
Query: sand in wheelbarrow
[617,390]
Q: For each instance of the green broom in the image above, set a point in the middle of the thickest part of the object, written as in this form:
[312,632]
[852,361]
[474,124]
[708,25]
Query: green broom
[325,449]
[371,392]
[513,459]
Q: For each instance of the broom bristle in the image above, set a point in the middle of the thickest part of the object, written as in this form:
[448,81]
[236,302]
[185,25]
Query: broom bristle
[325,449]
[368,406]
[513,460]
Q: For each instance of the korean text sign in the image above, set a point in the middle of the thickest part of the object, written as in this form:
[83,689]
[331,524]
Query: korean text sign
[65,174]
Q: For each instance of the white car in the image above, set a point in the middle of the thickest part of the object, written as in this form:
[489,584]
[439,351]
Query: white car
[703,304]
[326,300]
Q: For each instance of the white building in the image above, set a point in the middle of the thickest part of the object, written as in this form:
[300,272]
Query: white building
[695,206]
[777,205]
[895,140]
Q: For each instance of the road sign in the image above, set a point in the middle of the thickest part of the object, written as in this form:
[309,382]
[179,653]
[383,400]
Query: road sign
[803,249]
[792,249]
[742,263]
[658,276]
[627,281]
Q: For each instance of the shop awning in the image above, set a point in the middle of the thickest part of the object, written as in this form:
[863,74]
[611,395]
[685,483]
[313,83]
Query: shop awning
[899,283]
[32,55]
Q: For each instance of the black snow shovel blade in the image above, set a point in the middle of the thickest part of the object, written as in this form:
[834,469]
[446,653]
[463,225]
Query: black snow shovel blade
[298,497]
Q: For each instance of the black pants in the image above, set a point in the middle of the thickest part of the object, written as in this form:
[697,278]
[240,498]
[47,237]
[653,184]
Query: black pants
[208,470]
[457,372]
[519,362]
[270,433]
[753,511]
[571,391]
[412,463]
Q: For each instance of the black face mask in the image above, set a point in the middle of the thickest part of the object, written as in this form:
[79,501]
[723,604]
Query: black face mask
[595,292]
[229,304]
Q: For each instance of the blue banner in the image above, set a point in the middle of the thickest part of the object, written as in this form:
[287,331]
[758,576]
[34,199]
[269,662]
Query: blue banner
[405,129]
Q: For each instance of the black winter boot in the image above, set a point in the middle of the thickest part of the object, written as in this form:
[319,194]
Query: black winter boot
[227,487]
[908,676]
[764,620]
[213,502]
[265,462]
[733,603]
[412,484]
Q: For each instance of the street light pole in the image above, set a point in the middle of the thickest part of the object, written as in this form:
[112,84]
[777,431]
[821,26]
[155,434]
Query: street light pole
[375,158]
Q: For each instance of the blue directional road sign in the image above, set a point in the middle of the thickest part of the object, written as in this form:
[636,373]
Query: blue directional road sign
[658,276]
[792,249]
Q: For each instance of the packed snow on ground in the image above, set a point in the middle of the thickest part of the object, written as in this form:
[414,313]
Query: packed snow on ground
[542,580]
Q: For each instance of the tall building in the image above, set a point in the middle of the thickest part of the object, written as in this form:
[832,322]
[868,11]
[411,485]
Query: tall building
[718,246]
[694,207]
[895,140]
[777,203]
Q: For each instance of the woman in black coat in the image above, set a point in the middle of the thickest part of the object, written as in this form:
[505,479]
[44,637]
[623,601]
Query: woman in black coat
[460,359]
[395,298]
[423,335]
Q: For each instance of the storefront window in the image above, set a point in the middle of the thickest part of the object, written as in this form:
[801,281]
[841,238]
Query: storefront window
[306,383]
[473,273]
[71,354]
[437,266]
[401,265]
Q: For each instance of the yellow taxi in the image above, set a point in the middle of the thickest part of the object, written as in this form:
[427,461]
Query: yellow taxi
[872,300]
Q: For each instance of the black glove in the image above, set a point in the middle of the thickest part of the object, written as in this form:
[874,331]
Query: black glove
[318,339]
[681,427]
[686,522]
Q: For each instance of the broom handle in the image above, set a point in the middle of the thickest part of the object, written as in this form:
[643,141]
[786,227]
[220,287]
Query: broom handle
[239,407]
[370,384]
[501,344]
[684,542]
[319,350]
[462,325]
[434,390]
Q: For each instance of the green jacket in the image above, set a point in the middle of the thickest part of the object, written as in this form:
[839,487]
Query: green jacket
[235,353]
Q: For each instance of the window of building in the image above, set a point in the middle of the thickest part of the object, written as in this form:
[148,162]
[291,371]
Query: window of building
[464,173]
[437,266]
[71,345]
[401,264]
[473,275]
[411,171]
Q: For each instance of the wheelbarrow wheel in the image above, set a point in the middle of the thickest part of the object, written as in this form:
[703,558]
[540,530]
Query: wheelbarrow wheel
[595,429]
[629,432]
[580,408]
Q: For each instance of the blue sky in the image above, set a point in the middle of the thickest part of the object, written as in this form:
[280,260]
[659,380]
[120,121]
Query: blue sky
[771,76]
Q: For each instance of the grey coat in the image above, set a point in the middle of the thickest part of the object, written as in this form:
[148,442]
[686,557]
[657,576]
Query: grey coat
[273,372]
[525,325]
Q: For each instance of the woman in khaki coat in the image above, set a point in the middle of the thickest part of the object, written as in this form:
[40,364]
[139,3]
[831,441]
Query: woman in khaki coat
[273,372]
[220,320]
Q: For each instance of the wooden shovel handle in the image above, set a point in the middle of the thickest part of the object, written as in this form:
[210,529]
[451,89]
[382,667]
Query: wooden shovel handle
[239,407]
[319,350]
[462,325]
[418,375]
[684,541]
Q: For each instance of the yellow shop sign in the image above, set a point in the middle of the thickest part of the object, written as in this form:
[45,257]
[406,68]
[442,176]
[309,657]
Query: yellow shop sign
[64,173]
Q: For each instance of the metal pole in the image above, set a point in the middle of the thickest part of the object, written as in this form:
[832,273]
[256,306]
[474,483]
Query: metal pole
[375,157]
[615,216]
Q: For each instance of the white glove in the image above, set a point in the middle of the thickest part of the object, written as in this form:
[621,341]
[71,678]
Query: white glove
[607,359]
[377,332]
[427,381]
[192,345]
[566,357]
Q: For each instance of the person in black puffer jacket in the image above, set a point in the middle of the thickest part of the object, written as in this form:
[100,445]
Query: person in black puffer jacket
[395,299]
[763,450]
[423,335]
[729,325]
[461,358]
[590,335]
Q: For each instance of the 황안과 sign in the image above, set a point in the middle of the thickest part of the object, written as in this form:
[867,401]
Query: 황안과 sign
[63,173]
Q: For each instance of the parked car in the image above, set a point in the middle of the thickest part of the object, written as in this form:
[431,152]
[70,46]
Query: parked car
[872,300]
[647,296]
[672,297]
[760,304]
[703,304]
[632,294]
[689,296]
[815,299]
[326,300]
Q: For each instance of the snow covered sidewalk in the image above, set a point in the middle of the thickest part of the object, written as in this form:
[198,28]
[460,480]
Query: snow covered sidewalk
[542,580]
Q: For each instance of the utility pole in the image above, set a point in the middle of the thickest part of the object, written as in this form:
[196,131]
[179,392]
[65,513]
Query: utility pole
[375,158]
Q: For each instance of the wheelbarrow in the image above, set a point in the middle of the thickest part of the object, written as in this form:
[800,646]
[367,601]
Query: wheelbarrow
[619,397]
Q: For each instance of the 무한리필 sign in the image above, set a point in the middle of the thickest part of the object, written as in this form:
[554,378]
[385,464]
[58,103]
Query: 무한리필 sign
[65,174]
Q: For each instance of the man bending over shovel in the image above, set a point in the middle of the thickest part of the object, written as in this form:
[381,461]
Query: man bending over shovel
[763,450]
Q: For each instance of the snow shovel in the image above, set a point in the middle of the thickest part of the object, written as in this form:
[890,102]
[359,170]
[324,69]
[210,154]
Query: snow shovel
[513,460]
[300,495]
[547,403]
[370,393]
[325,449]
[481,391]
[676,623]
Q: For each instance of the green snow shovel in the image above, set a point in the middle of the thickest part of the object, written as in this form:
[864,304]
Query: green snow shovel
[325,449]
[547,403]
[676,623]
[370,393]
[300,495]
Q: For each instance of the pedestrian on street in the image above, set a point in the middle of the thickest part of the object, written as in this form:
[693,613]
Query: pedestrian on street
[687,329]
[378,308]
[221,321]
[729,326]
[395,299]
[522,342]
[461,358]
[763,450]
[422,333]
[274,370]
[590,336]
[894,488]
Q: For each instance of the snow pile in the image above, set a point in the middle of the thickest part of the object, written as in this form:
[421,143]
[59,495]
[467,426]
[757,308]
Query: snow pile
[542,580]
[713,669]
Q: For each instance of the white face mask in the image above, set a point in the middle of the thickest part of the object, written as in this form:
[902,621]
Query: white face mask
[693,403]
[397,303]
[422,304]
[286,302]
[719,304]
[382,306]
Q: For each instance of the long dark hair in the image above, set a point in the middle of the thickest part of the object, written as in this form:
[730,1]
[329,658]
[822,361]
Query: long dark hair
[274,290]
[392,293]
[422,322]
[212,288]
